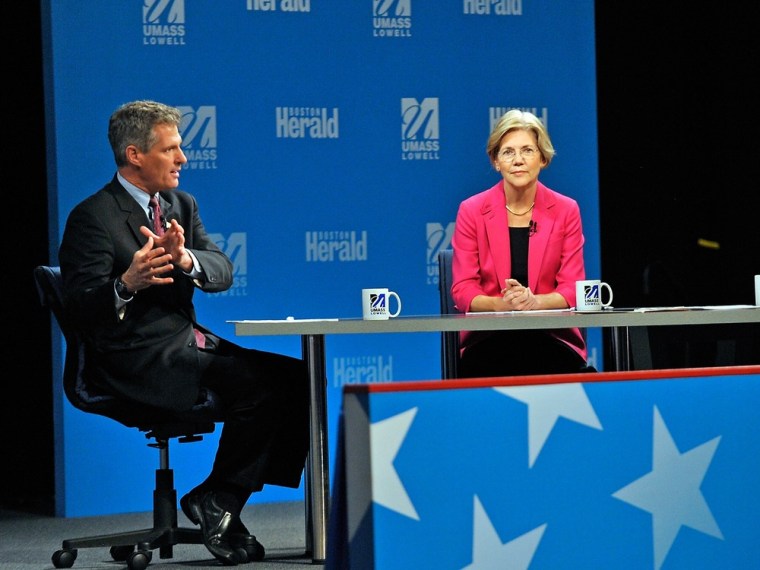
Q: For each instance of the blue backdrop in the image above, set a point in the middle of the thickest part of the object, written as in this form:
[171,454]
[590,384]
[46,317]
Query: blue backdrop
[329,146]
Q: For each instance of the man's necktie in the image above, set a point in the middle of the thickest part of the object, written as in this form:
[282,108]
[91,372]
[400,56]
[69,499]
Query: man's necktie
[155,208]
[158,229]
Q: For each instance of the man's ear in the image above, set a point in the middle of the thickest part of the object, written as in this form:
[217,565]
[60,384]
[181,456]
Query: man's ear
[133,155]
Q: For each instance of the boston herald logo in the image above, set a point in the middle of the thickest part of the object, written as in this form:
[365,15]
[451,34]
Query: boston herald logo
[284,5]
[336,246]
[362,370]
[300,123]
[497,7]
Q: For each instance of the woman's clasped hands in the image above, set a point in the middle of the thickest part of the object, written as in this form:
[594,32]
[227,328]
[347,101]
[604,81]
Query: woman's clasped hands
[517,297]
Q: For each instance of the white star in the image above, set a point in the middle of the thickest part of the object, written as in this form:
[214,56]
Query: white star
[670,491]
[373,452]
[386,437]
[488,553]
[546,403]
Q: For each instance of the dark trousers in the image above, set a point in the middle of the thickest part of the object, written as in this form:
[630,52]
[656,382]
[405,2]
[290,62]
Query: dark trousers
[519,353]
[265,434]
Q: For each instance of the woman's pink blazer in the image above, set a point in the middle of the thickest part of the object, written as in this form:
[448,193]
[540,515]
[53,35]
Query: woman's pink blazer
[481,261]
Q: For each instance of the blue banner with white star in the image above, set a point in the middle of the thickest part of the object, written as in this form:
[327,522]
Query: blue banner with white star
[631,470]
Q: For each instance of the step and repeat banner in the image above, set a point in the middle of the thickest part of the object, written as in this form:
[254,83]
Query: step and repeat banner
[329,145]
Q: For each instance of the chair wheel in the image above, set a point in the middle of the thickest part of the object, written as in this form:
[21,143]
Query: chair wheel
[139,559]
[121,553]
[64,558]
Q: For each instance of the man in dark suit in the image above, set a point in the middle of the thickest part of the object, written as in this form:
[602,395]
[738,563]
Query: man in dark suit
[130,289]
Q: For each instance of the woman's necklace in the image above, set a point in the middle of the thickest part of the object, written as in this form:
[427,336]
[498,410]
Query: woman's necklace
[511,211]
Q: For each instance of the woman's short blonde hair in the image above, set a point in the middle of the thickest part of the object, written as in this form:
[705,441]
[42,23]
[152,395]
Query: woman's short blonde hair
[516,119]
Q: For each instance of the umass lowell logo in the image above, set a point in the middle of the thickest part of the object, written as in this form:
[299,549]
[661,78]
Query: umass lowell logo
[391,8]
[420,134]
[235,246]
[377,303]
[438,238]
[163,22]
[591,295]
[198,130]
[392,18]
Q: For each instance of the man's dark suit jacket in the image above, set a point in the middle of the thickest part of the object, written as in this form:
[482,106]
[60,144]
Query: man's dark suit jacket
[150,355]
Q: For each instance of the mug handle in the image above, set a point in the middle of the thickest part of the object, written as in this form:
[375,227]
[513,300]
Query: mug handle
[398,302]
[604,285]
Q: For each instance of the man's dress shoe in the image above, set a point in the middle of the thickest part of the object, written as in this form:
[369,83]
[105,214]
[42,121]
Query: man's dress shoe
[237,536]
[215,523]
[240,537]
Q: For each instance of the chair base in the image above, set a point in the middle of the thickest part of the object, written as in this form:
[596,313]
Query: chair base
[136,546]
[146,539]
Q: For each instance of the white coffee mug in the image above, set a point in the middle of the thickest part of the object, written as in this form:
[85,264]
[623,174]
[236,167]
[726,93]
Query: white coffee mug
[588,295]
[376,304]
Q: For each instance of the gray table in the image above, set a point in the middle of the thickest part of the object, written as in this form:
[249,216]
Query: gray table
[313,332]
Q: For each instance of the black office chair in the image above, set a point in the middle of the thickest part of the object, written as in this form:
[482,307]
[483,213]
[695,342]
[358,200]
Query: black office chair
[133,547]
[449,339]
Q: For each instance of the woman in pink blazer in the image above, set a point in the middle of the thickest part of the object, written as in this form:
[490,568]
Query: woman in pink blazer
[518,246]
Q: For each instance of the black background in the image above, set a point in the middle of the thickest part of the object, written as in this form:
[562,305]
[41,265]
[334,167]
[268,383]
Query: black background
[678,153]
